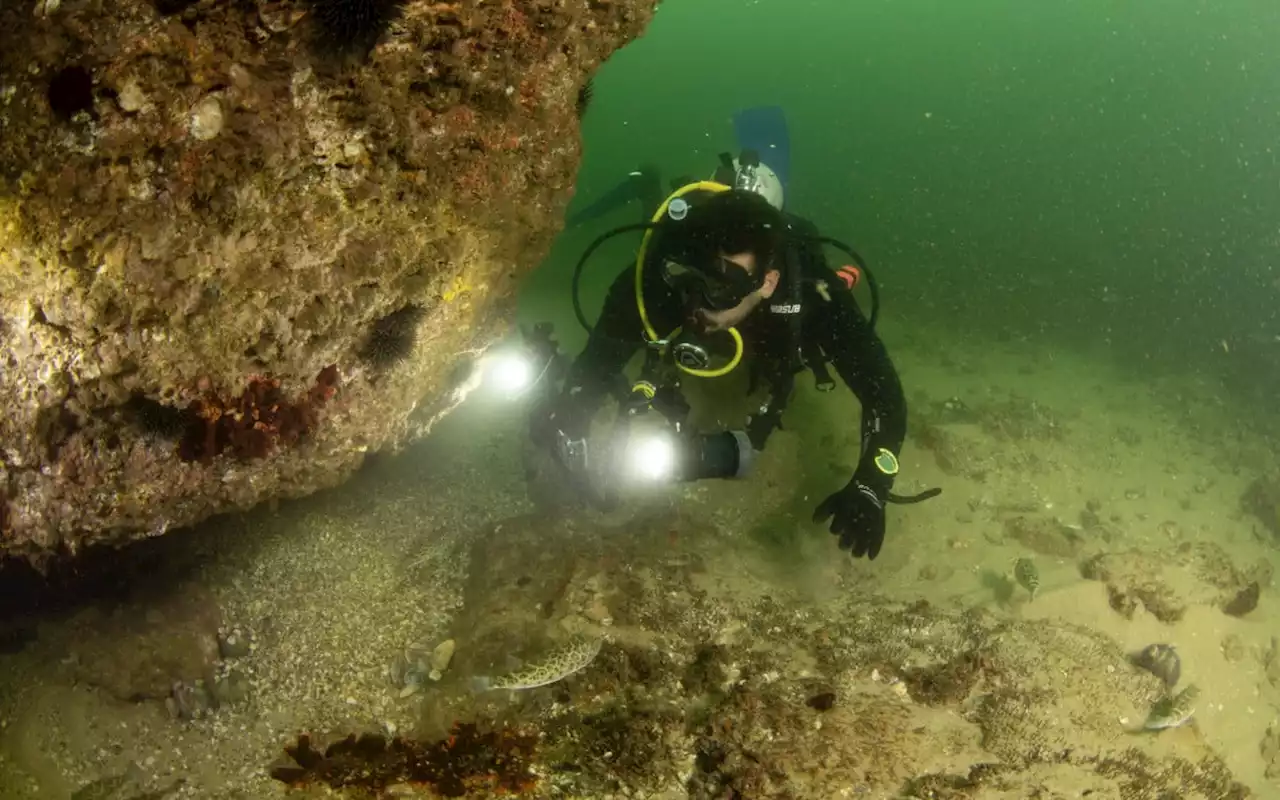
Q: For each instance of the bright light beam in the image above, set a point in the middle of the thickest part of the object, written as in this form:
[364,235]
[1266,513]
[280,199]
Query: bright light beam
[653,458]
[510,372]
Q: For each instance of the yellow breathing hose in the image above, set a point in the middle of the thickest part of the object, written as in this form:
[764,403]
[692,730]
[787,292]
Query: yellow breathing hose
[700,186]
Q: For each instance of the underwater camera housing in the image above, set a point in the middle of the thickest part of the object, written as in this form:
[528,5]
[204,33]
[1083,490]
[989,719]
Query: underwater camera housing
[668,451]
[649,444]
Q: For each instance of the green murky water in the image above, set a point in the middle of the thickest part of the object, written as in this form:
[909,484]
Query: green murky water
[1072,209]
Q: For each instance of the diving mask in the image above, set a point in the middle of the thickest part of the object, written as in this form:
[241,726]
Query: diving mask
[720,287]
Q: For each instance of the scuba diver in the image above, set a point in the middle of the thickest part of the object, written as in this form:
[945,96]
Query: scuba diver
[724,275]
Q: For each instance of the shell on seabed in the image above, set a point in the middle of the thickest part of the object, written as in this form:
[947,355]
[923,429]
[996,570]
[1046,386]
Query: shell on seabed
[1160,660]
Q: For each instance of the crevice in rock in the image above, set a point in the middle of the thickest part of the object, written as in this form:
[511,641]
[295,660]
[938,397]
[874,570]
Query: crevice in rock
[70,92]
[166,8]
[54,426]
[39,318]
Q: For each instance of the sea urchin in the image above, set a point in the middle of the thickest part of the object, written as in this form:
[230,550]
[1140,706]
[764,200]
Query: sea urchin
[157,419]
[585,91]
[392,337]
[353,25]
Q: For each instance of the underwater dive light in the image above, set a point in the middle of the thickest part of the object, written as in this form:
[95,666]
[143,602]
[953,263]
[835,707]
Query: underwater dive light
[652,457]
[510,372]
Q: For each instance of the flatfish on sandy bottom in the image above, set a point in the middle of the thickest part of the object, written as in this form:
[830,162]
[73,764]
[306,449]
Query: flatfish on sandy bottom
[560,663]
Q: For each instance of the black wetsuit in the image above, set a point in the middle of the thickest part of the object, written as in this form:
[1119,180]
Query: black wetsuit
[780,340]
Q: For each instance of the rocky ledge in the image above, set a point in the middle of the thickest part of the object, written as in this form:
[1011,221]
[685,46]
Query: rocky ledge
[243,244]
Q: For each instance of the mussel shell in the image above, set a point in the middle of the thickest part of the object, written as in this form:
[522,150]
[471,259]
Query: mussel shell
[1160,660]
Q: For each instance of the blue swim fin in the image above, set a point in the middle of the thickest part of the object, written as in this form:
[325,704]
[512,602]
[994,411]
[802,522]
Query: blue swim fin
[764,129]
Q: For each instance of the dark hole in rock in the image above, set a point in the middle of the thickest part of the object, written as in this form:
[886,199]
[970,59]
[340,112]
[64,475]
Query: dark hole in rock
[822,702]
[15,635]
[103,574]
[55,425]
[71,91]
[166,8]
[710,755]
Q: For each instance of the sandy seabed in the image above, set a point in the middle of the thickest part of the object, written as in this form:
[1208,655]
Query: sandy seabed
[743,655]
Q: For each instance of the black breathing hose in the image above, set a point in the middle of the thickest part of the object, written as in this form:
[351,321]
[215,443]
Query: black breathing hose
[862,266]
[586,256]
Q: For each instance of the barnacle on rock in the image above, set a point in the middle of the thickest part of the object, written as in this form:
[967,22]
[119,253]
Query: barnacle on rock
[255,423]
[392,337]
[465,760]
[353,26]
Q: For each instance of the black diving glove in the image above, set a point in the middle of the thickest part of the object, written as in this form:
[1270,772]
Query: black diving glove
[857,513]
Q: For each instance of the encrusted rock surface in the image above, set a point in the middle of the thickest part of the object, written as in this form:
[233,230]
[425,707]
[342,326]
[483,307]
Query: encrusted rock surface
[204,212]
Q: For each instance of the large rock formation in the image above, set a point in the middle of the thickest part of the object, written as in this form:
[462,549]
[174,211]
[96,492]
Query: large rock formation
[244,243]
